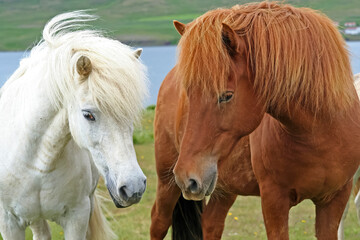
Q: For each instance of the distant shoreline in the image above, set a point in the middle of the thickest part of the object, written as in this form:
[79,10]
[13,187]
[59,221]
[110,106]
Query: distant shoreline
[168,43]
[352,38]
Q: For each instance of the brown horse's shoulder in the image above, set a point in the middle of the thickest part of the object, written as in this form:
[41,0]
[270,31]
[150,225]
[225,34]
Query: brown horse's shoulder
[312,164]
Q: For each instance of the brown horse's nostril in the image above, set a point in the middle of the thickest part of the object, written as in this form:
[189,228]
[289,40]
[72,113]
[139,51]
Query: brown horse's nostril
[193,186]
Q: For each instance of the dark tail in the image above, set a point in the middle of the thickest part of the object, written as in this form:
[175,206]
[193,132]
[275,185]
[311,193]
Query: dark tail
[186,220]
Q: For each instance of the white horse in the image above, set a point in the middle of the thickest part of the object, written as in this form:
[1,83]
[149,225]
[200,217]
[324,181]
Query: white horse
[356,181]
[67,115]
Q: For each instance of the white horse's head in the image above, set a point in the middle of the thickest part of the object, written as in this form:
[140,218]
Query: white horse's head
[108,138]
[103,99]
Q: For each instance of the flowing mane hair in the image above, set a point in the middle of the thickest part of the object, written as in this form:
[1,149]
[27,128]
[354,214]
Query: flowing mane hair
[117,82]
[295,55]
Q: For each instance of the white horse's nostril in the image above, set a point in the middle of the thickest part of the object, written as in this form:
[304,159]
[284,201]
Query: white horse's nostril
[124,193]
[144,184]
[132,193]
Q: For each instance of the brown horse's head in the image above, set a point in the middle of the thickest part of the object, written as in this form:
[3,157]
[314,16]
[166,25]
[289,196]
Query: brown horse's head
[217,116]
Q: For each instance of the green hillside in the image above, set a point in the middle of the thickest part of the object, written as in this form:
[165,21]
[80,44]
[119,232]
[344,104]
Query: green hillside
[136,22]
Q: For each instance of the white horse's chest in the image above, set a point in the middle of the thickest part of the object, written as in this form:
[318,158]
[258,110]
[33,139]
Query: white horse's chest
[30,201]
[37,194]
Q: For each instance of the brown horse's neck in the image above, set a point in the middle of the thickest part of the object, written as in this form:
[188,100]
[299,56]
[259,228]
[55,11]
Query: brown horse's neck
[301,123]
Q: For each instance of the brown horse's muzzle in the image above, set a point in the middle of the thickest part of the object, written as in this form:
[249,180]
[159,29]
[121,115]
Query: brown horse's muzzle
[196,185]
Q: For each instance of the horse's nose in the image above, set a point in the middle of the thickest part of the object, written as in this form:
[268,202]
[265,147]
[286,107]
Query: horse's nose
[193,186]
[196,188]
[132,193]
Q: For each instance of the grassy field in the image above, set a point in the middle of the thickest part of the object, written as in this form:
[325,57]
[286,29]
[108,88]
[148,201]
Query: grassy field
[136,22]
[244,220]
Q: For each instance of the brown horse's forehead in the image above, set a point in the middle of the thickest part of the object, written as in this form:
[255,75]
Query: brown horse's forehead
[197,94]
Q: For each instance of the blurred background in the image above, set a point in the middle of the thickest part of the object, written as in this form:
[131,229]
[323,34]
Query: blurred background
[139,22]
[148,24]
[143,23]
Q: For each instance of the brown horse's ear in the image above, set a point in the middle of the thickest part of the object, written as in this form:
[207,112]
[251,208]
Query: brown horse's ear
[83,66]
[180,27]
[231,40]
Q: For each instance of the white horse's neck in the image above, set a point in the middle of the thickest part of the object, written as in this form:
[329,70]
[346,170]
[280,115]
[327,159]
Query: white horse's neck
[43,131]
[51,144]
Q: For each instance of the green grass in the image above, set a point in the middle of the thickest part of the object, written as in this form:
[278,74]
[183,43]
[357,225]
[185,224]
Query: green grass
[145,133]
[250,224]
[244,220]
[137,22]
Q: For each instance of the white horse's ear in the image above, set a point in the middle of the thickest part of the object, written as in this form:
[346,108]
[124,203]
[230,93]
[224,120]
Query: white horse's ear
[83,66]
[138,52]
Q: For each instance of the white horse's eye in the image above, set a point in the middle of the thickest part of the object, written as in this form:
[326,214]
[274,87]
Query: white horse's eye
[88,115]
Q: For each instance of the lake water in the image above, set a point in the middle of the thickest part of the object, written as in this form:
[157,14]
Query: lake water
[159,61]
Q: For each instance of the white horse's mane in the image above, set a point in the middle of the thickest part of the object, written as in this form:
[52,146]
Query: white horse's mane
[117,82]
[357,83]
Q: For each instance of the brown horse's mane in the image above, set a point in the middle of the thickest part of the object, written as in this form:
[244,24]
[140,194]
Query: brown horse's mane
[296,55]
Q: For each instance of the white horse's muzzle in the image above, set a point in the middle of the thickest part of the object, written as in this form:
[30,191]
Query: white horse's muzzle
[129,192]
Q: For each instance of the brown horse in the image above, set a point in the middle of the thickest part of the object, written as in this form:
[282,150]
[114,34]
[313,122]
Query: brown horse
[282,74]
[236,176]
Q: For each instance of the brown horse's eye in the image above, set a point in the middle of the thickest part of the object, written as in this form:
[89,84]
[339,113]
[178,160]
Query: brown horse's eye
[226,96]
[88,115]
